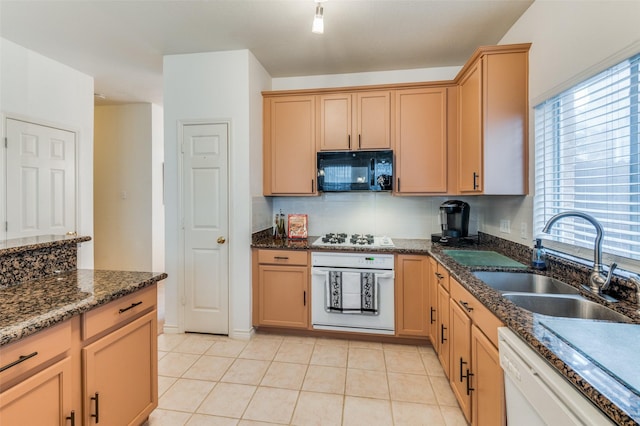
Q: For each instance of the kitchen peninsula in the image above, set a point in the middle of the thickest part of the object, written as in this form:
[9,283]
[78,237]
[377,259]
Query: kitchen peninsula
[77,344]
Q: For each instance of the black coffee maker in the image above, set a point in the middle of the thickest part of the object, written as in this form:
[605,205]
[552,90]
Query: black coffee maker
[454,222]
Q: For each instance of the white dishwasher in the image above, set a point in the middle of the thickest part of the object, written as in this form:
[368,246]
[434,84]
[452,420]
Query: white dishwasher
[536,394]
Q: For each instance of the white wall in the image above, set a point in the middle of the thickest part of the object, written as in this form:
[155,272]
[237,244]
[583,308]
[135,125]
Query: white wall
[127,187]
[214,86]
[571,40]
[38,89]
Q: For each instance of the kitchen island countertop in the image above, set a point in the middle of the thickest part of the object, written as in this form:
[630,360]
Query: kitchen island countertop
[35,305]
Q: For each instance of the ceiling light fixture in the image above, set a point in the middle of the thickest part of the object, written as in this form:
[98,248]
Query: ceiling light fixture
[318,20]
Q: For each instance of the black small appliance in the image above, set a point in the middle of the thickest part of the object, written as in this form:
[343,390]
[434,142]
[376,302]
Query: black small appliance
[355,171]
[454,222]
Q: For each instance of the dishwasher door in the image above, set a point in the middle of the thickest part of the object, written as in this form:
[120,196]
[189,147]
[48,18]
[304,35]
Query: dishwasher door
[536,394]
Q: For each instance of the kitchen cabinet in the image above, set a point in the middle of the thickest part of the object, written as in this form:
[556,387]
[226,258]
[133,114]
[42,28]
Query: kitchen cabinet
[281,288]
[103,362]
[412,295]
[493,120]
[289,145]
[476,377]
[421,141]
[354,121]
[120,374]
[36,372]
[43,399]
[440,282]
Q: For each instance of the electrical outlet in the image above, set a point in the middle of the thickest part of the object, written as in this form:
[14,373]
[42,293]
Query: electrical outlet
[505,226]
[523,230]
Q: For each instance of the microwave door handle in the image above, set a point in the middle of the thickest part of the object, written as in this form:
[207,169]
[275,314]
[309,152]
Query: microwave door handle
[373,172]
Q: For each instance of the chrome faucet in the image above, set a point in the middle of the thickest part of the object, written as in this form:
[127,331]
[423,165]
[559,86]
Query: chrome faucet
[597,281]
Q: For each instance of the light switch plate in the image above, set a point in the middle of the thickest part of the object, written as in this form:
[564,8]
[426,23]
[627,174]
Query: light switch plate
[505,226]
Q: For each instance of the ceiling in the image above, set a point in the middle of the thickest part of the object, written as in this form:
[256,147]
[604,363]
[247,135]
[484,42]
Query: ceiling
[121,43]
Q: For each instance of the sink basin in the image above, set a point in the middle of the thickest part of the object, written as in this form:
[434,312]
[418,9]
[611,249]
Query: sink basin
[524,282]
[568,306]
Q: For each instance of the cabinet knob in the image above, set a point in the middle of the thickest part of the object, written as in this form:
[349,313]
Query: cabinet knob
[221,240]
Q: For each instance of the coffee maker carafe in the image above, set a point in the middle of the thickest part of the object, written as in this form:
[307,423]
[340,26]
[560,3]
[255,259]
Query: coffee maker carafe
[454,221]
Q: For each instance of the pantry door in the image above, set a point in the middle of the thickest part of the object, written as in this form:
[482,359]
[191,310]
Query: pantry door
[205,227]
[41,180]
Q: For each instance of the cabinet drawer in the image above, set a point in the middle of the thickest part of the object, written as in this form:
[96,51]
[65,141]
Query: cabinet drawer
[20,357]
[482,317]
[117,312]
[283,257]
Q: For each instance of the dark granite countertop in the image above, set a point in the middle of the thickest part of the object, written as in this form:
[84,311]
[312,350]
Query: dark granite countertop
[32,306]
[20,245]
[620,402]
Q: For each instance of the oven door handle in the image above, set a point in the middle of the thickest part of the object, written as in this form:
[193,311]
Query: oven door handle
[387,275]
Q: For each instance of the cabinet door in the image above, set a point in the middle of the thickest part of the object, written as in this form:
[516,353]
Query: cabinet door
[373,110]
[444,330]
[487,381]
[283,296]
[460,377]
[412,295]
[470,130]
[421,141]
[121,374]
[43,399]
[289,149]
[335,122]
[433,305]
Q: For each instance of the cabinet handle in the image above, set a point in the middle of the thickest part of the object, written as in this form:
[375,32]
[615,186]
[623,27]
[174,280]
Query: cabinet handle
[359,142]
[96,398]
[439,276]
[442,330]
[432,319]
[462,363]
[72,417]
[133,305]
[466,306]
[21,358]
[312,186]
[304,298]
[468,376]
[475,181]
[398,184]
[281,257]
[349,139]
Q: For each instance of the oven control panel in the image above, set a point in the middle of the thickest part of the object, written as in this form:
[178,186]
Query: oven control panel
[352,260]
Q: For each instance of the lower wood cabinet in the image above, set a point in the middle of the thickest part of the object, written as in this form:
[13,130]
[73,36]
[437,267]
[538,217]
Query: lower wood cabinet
[412,295]
[475,374]
[281,288]
[99,368]
[120,374]
[44,399]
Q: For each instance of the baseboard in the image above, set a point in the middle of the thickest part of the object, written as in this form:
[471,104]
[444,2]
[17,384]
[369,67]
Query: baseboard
[242,334]
[171,329]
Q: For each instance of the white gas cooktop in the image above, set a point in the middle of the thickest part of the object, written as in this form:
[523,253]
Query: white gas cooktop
[352,240]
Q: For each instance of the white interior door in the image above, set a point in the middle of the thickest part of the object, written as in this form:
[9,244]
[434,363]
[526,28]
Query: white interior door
[41,180]
[205,213]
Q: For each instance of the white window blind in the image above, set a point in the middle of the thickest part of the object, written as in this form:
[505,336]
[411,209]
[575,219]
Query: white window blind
[587,158]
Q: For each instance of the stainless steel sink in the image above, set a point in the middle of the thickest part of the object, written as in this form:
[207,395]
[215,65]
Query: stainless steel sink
[524,282]
[568,306]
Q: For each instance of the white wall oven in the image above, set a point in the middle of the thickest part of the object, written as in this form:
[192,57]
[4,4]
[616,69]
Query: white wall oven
[353,292]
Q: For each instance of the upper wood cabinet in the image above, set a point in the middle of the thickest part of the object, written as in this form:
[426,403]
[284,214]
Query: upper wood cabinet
[493,105]
[289,145]
[353,121]
[421,141]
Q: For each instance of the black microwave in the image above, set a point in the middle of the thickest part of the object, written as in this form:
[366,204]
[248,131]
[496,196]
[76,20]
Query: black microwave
[355,171]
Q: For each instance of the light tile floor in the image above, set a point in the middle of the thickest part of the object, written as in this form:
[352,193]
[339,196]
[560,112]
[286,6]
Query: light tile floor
[272,379]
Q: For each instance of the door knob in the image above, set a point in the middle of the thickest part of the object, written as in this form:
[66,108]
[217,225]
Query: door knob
[221,240]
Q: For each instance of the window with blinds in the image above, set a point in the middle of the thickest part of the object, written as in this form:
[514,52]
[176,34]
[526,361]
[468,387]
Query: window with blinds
[587,158]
